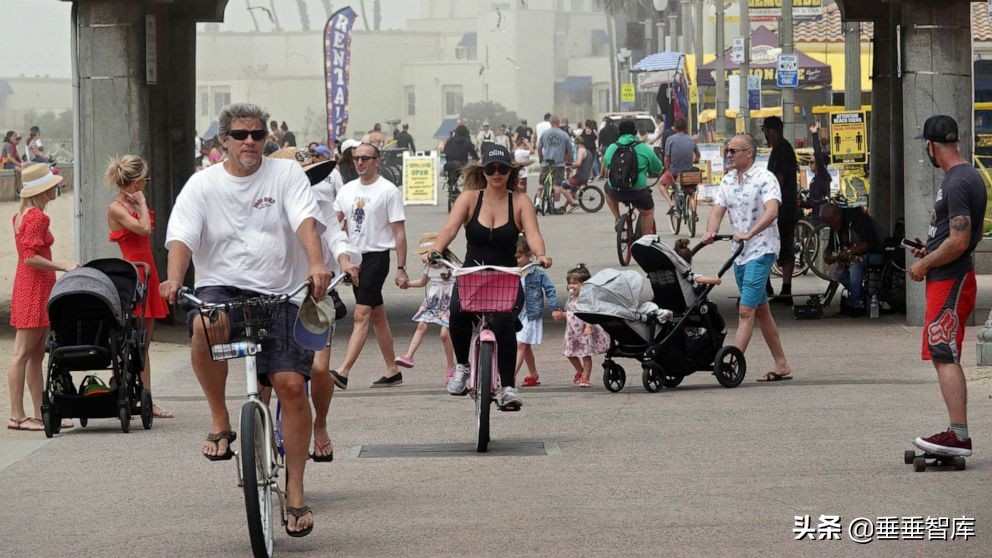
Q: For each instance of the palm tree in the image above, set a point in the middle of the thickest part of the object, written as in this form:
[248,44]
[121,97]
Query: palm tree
[376,14]
[365,18]
[301,5]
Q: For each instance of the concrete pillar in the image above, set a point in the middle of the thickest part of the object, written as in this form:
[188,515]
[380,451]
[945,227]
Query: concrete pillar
[113,108]
[852,65]
[936,79]
[791,131]
[746,64]
[880,199]
[685,40]
[894,114]
[723,129]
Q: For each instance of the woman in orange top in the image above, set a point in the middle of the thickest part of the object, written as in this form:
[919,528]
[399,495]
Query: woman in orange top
[131,225]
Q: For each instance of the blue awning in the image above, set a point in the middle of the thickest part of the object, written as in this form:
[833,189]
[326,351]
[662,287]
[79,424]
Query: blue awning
[5,88]
[468,40]
[212,130]
[660,61]
[599,36]
[444,130]
[575,83]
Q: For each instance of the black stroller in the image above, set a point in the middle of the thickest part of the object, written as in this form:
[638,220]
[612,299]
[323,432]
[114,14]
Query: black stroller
[97,320]
[675,334]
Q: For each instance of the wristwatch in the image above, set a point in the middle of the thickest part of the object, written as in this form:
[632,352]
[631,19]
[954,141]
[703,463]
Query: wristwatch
[401,268]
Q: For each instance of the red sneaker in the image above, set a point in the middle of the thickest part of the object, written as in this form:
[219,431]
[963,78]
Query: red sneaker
[531,381]
[575,380]
[945,443]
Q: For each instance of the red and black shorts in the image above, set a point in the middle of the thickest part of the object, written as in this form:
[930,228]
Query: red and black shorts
[949,303]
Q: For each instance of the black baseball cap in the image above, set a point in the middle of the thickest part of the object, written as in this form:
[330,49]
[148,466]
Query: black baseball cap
[940,128]
[773,123]
[495,153]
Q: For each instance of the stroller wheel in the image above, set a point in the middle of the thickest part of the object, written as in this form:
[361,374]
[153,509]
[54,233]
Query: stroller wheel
[125,416]
[729,366]
[653,377]
[614,376]
[672,381]
[83,421]
[51,425]
[146,409]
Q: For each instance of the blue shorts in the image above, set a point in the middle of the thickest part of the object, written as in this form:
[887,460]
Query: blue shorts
[280,352]
[751,278]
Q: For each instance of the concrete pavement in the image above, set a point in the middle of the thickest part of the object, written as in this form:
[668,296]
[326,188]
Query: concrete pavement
[695,471]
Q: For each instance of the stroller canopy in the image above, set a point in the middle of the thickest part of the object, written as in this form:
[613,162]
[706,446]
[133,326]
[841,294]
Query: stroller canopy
[611,293]
[667,272]
[89,282]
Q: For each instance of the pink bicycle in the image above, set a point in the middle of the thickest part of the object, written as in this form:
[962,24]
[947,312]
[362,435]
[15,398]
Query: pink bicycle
[487,291]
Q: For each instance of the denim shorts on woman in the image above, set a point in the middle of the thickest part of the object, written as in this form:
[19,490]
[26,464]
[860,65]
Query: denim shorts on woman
[280,352]
[751,278]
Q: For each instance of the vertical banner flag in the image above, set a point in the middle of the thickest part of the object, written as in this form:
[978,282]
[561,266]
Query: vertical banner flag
[337,70]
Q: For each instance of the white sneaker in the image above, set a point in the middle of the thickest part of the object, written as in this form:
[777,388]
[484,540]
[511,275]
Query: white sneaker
[509,400]
[456,385]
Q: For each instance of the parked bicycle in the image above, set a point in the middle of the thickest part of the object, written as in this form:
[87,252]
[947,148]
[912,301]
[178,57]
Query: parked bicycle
[235,329]
[487,291]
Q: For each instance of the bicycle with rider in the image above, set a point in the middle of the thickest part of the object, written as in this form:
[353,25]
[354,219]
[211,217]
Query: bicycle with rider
[681,155]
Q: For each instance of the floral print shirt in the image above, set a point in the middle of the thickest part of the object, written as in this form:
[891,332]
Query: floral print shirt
[745,203]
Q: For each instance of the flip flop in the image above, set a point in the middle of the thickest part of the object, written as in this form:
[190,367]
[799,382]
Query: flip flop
[19,424]
[228,435]
[298,513]
[322,458]
[339,380]
[159,412]
[775,377]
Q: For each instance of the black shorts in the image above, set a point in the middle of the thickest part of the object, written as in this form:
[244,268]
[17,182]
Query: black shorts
[640,199]
[787,235]
[280,352]
[371,278]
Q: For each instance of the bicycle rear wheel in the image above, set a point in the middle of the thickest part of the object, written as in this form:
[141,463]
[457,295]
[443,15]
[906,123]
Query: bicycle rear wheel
[822,235]
[625,240]
[675,217]
[805,247]
[591,198]
[255,476]
[690,220]
[483,394]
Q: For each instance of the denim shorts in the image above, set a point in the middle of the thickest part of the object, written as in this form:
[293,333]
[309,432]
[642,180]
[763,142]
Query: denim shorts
[751,278]
[280,352]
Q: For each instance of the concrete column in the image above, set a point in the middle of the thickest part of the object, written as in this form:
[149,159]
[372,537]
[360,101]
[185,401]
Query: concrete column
[880,200]
[113,108]
[937,79]
[697,49]
[788,93]
[852,65]
[687,27]
[894,114]
[746,64]
[723,128]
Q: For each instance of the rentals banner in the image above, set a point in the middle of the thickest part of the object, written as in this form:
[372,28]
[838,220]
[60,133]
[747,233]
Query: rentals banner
[337,70]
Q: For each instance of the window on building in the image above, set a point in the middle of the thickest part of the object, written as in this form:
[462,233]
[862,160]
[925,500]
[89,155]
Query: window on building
[559,5]
[578,6]
[204,101]
[222,97]
[411,100]
[603,100]
[453,99]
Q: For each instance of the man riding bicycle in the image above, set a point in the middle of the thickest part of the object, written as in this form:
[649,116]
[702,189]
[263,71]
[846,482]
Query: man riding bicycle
[681,155]
[638,194]
[258,214]
[583,169]
[457,152]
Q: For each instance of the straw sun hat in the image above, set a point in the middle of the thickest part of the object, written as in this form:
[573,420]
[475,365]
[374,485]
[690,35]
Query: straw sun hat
[316,170]
[37,179]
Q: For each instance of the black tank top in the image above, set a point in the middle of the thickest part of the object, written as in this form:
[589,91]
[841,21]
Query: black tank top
[496,246]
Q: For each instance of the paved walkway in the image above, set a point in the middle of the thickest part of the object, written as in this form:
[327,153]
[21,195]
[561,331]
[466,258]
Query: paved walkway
[698,470]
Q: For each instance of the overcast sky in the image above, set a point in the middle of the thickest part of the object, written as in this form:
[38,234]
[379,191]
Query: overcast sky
[36,32]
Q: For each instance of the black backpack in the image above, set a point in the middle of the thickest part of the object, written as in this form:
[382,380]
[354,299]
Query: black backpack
[623,167]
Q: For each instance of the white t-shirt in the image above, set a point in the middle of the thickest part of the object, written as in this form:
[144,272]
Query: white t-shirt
[522,156]
[368,212]
[327,190]
[334,240]
[242,230]
[540,129]
[745,204]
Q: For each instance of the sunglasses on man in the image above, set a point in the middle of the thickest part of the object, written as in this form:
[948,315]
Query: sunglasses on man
[242,135]
[736,150]
[364,158]
[496,168]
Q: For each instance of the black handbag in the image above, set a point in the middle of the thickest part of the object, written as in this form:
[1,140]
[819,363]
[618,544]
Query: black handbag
[340,310]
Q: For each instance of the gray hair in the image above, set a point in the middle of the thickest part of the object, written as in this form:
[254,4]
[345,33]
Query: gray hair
[239,110]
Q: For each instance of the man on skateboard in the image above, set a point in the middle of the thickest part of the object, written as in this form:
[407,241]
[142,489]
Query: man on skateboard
[949,269]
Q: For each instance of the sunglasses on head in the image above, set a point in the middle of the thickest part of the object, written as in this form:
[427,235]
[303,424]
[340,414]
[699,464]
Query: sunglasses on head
[364,158]
[242,135]
[496,168]
[736,150]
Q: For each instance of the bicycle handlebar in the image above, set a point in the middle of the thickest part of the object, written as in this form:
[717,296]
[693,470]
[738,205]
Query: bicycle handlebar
[434,257]
[188,302]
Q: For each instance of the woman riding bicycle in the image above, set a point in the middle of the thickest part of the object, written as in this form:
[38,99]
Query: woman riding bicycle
[493,218]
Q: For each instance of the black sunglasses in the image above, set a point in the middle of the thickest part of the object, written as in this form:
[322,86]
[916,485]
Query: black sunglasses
[364,158]
[734,151]
[242,135]
[496,168]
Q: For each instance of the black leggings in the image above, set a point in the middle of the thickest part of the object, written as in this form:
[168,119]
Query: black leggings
[461,325]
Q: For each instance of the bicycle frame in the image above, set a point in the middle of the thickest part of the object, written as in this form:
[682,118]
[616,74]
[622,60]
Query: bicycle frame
[485,335]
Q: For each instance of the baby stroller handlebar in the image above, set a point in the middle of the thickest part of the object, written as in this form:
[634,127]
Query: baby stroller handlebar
[716,238]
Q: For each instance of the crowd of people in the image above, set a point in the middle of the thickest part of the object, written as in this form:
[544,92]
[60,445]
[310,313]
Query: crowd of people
[312,212]
[11,157]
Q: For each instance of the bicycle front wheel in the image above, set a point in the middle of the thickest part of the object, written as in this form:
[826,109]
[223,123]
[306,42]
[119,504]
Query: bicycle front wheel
[675,217]
[483,394]
[591,199]
[690,220]
[625,239]
[255,473]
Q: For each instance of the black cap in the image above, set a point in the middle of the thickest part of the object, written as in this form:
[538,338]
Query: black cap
[940,128]
[495,153]
[773,123]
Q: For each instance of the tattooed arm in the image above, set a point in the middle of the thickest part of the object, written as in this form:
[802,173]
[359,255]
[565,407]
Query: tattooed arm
[948,251]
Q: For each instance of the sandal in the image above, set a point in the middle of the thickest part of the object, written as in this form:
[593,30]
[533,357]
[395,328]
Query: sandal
[531,381]
[27,424]
[159,412]
[298,513]
[322,458]
[214,438]
[577,378]
[775,377]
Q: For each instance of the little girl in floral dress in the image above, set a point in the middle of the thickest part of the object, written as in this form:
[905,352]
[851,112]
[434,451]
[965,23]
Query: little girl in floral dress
[582,340]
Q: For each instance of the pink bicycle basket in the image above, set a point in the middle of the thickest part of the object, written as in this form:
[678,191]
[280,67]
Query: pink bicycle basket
[488,291]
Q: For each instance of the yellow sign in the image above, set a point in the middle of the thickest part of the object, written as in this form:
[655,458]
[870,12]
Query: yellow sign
[848,138]
[627,94]
[420,179]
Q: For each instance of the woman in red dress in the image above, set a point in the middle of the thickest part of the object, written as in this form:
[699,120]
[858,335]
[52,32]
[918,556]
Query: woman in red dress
[33,283]
[131,224]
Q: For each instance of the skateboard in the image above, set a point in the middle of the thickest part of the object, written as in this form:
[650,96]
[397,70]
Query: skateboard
[920,461]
